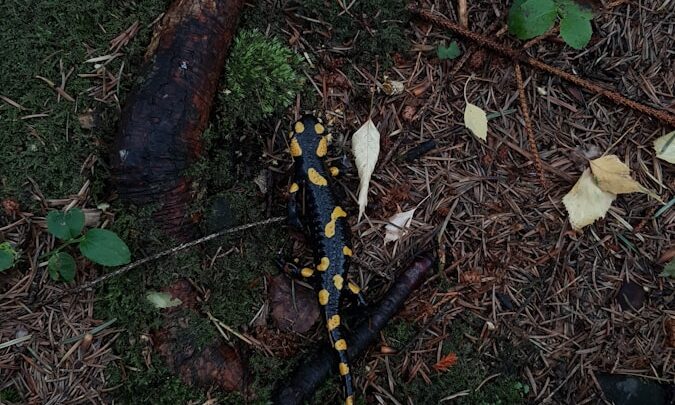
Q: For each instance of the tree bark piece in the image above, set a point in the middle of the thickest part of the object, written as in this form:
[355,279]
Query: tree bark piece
[304,381]
[160,129]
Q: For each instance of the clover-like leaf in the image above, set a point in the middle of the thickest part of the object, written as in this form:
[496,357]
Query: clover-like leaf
[531,18]
[104,247]
[65,225]
[62,265]
[575,25]
[448,53]
[7,256]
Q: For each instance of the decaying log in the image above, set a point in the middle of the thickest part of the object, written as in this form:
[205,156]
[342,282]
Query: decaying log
[161,124]
[305,380]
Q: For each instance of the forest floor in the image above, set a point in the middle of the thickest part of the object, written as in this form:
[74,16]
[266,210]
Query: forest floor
[521,309]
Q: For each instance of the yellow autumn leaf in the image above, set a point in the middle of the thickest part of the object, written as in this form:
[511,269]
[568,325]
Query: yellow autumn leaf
[476,120]
[366,149]
[586,202]
[613,176]
[665,147]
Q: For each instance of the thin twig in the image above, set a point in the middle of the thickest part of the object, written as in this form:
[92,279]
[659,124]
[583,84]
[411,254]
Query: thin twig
[168,252]
[518,56]
[463,13]
[528,126]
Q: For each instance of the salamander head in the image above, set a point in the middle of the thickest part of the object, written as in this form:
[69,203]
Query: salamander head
[308,137]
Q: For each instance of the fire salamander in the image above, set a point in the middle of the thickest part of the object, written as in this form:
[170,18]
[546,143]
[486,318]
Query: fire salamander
[326,223]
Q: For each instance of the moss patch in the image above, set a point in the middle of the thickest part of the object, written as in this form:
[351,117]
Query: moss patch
[39,35]
[469,371]
[374,28]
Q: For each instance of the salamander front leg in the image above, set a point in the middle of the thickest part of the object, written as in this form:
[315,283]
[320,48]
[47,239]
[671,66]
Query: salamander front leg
[294,270]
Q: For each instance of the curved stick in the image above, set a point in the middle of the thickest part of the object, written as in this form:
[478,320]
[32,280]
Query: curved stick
[307,377]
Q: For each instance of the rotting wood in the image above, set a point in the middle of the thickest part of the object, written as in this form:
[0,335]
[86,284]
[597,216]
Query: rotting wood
[535,63]
[305,379]
[159,133]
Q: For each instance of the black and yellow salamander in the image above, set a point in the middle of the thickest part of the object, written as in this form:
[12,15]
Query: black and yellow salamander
[327,228]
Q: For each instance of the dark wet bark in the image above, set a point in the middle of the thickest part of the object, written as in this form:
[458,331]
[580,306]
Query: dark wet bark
[160,129]
[317,366]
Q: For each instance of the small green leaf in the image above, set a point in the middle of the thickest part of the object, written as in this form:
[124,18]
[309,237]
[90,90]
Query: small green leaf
[531,18]
[448,53]
[65,225]
[575,25]
[669,270]
[162,299]
[62,265]
[7,256]
[104,247]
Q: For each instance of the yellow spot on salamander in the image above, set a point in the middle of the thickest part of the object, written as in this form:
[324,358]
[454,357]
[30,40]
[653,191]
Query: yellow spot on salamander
[299,127]
[307,272]
[354,287]
[344,369]
[333,322]
[322,149]
[294,188]
[338,281]
[295,148]
[334,171]
[338,212]
[323,297]
[349,400]
[347,251]
[341,345]
[318,128]
[315,177]
[323,265]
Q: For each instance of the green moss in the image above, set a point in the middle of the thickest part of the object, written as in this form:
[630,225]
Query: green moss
[467,374]
[260,79]
[149,385]
[38,35]
[398,333]
[10,395]
[375,28]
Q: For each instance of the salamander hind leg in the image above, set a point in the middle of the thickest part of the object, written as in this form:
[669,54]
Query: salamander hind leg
[354,290]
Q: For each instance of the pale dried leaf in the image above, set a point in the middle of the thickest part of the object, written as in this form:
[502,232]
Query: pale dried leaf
[665,147]
[366,149]
[613,176]
[397,226]
[586,202]
[162,300]
[476,120]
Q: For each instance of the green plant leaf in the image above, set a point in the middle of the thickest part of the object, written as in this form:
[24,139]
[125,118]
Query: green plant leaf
[448,53]
[62,265]
[7,256]
[104,247]
[530,18]
[669,270]
[65,225]
[575,23]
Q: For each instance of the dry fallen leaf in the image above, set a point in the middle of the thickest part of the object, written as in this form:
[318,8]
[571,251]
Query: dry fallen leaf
[366,149]
[665,147]
[397,226]
[586,202]
[613,176]
[476,120]
[162,300]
